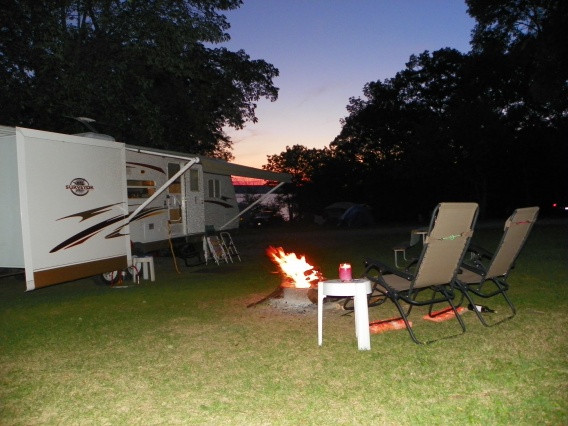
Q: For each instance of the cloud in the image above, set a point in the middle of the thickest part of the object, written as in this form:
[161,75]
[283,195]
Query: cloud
[314,93]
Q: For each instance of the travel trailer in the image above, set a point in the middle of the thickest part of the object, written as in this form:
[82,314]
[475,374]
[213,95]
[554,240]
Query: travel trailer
[75,206]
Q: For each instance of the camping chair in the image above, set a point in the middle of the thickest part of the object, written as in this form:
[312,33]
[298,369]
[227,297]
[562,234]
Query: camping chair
[490,268]
[443,251]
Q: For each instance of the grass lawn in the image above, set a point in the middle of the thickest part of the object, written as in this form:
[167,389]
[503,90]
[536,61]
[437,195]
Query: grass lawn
[186,349]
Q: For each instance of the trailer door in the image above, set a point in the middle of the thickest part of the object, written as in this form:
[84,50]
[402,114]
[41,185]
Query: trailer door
[175,203]
[194,205]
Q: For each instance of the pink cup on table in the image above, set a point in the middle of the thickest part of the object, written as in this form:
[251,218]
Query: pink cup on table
[345,272]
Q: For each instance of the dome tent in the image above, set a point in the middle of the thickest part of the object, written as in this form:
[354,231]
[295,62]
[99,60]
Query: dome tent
[358,215]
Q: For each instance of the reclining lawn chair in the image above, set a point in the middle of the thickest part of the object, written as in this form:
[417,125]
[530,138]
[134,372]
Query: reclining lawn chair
[444,248]
[490,268]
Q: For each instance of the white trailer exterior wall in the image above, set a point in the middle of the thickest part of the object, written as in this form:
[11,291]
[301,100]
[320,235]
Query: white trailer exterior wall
[178,211]
[68,219]
[71,205]
[203,196]
[11,243]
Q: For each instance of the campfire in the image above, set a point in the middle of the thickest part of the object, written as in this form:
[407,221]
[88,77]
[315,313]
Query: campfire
[299,280]
[297,271]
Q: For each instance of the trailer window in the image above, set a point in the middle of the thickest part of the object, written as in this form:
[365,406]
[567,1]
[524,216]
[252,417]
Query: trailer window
[193,180]
[140,188]
[214,188]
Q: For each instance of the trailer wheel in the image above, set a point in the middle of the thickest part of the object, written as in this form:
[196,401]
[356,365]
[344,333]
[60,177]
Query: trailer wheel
[109,278]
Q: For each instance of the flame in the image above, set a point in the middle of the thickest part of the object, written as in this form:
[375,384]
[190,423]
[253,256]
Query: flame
[296,268]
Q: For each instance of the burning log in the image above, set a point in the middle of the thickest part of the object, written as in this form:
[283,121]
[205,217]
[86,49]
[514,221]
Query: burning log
[274,295]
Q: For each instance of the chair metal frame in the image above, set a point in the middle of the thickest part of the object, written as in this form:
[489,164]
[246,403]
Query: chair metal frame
[495,268]
[445,245]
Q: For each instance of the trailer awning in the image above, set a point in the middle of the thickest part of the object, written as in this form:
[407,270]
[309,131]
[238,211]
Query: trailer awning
[221,167]
[213,165]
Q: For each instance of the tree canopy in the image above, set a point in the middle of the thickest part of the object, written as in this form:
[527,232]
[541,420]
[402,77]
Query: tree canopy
[531,33]
[490,125]
[147,71]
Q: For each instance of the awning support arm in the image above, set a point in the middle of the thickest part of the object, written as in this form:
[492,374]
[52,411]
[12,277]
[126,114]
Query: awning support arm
[182,170]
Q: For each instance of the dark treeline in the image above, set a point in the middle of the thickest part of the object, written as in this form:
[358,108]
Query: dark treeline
[146,71]
[488,126]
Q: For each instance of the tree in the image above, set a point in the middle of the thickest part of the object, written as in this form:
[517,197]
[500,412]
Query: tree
[398,140]
[531,39]
[456,127]
[144,68]
[305,194]
[532,33]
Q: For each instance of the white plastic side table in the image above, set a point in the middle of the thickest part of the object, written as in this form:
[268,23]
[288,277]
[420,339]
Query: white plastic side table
[358,289]
[144,263]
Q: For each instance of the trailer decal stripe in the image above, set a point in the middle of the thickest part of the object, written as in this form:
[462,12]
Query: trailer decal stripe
[148,166]
[90,213]
[149,212]
[155,211]
[81,241]
[86,234]
[220,203]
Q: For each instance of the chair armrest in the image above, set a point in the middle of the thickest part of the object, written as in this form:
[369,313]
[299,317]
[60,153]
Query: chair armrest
[480,252]
[383,268]
[402,246]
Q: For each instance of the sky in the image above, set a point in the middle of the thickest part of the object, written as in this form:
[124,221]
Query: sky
[326,51]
